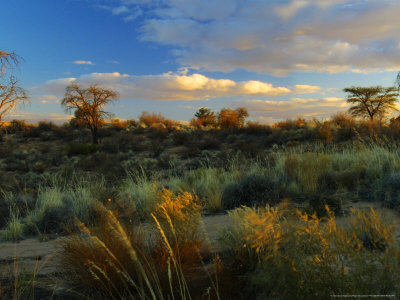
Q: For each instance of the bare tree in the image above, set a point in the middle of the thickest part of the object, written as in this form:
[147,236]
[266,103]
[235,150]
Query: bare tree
[7,59]
[11,94]
[371,102]
[89,104]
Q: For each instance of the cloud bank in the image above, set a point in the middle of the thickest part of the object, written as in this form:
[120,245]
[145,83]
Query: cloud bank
[274,36]
[273,111]
[164,87]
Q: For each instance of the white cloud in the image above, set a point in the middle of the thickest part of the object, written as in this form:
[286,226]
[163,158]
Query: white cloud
[165,87]
[274,36]
[83,62]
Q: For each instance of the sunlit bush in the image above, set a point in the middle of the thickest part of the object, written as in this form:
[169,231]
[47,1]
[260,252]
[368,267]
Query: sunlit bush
[288,254]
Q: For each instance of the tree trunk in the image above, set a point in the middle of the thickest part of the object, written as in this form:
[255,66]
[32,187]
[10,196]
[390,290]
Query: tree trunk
[95,137]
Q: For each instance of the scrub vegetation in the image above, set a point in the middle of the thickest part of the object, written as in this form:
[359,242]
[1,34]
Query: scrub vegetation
[130,209]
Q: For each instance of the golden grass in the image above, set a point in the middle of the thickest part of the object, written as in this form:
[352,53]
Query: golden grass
[115,262]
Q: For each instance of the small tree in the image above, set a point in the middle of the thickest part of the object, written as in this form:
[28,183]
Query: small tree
[204,117]
[229,118]
[11,94]
[242,114]
[89,104]
[371,102]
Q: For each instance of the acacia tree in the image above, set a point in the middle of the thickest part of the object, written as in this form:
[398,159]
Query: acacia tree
[89,104]
[371,102]
[11,94]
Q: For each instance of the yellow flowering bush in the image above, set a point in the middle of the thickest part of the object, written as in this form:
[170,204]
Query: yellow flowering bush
[179,215]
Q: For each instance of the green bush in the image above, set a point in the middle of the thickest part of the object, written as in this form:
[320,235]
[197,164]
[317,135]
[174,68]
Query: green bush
[79,148]
[55,220]
[390,190]
[254,189]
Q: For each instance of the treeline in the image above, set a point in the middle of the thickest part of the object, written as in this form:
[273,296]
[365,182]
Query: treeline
[341,127]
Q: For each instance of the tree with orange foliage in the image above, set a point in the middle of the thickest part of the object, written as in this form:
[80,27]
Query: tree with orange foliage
[229,118]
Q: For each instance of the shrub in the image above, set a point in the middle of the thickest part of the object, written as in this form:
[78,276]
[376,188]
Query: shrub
[78,148]
[47,126]
[142,193]
[54,220]
[389,192]
[152,120]
[179,216]
[17,126]
[209,184]
[292,255]
[371,231]
[254,189]
[325,132]
[118,125]
[56,209]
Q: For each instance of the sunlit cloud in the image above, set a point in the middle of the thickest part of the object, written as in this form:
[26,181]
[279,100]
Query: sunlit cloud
[83,62]
[166,87]
[306,89]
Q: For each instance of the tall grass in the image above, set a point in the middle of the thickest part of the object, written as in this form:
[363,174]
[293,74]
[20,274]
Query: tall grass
[210,183]
[140,192]
[117,262]
[14,229]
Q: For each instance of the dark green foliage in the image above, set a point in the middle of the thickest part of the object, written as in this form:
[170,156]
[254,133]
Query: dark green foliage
[254,189]
[4,211]
[318,203]
[390,190]
[103,163]
[78,148]
[55,220]
[17,126]
[251,149]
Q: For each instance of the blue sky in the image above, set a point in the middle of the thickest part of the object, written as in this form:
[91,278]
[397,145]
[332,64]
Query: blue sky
[279,59]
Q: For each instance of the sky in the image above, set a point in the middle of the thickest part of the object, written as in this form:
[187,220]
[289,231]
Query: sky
[280,59]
